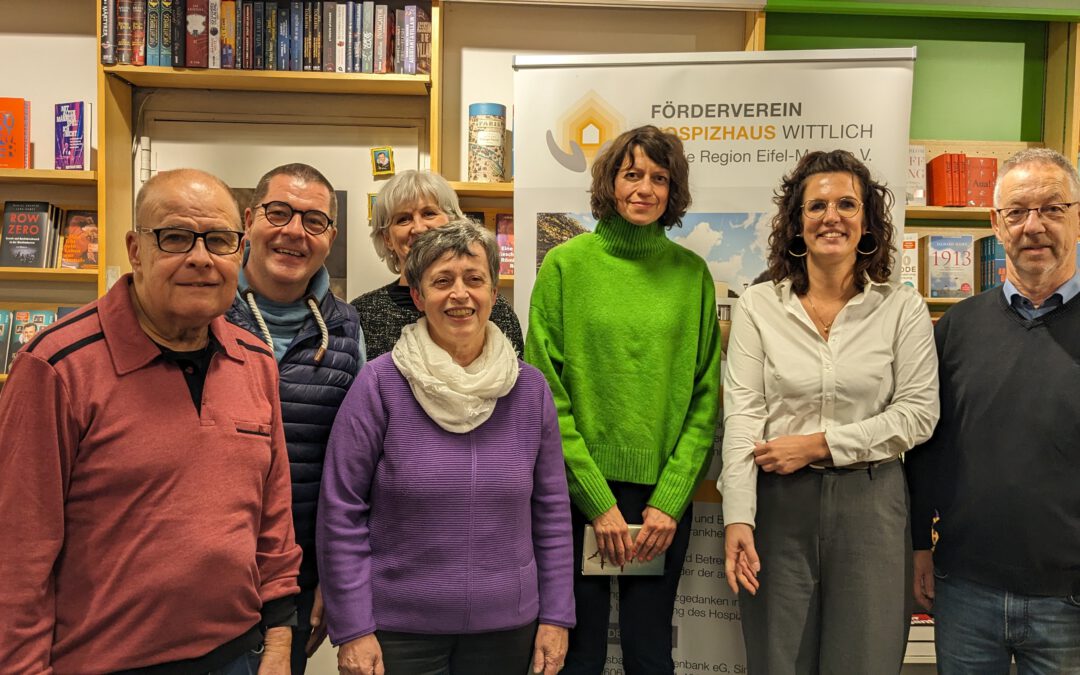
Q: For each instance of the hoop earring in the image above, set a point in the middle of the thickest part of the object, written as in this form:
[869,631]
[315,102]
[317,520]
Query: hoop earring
[792,253]
[870,252]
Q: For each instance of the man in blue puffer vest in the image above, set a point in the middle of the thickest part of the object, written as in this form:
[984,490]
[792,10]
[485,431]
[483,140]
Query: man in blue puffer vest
[283,296]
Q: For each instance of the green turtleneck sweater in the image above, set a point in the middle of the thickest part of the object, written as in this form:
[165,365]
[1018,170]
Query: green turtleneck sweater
[623,325]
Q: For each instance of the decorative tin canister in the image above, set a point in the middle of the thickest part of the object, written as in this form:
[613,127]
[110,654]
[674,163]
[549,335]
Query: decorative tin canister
[487,125]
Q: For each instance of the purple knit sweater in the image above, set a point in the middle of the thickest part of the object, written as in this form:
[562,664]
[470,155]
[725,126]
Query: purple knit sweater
[426,531]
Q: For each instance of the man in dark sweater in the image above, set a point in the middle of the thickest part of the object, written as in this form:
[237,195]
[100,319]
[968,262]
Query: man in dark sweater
[998,481]
[283,296]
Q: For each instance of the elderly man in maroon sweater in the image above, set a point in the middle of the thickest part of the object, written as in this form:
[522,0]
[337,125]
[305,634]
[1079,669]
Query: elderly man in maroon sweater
[144,486]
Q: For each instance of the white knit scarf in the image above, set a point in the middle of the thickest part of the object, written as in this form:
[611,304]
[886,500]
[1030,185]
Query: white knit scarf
[457,399]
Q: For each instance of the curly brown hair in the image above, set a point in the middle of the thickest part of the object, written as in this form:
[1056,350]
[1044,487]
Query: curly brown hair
[787,224]
[663,148]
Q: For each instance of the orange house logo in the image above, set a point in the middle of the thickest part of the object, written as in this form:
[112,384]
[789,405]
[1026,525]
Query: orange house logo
[584,131]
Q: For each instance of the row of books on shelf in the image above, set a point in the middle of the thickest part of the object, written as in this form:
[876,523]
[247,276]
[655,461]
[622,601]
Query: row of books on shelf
[19,327]
[353,36]
[40,234]
[952,266]
[949,179]
[72,146]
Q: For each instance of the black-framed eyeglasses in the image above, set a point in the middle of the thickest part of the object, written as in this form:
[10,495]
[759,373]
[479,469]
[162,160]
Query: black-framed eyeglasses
[846,207]
[1052,213]
[280,214]
[182,240]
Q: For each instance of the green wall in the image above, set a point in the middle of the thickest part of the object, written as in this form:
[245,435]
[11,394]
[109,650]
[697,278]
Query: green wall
[975,79]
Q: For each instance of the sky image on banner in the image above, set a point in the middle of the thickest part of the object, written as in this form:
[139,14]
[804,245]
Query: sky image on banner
[745,119]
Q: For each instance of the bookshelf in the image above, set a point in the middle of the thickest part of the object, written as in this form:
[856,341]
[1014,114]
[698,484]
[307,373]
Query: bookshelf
[48,177]
[156,77]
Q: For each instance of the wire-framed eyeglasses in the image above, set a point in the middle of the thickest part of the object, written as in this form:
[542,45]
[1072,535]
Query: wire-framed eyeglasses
[280,214]
[846,207]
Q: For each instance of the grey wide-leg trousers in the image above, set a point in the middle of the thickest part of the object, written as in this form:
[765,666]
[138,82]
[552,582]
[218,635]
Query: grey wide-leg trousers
[835,595]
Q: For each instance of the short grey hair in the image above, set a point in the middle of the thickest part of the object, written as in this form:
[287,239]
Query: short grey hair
[455,237]
[1044,156]
[406,189]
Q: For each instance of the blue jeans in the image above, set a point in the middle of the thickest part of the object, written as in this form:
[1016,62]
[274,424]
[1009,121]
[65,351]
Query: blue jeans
[979,630]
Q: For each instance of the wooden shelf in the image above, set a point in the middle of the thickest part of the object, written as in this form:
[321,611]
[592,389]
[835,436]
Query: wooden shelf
[489,190]
[943,301]
[48,177]
[948,213]
[272,80]
[950,230]
[47,275]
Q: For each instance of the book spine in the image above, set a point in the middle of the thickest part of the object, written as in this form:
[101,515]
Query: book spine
[138,32]
[270,35]
[355,30]
[410,40]
[367,39]
[296,35]
[228,34]
[179,33]
[153,32]
[329,38]
[398,40]
[380,39]
[258,24]
[316,36]
[27,158]
[213,23]
[198,40]
[108,32]
[341,32]
[423,42]
[165,53]
[308,28]
[238,49]
[123,31]
[284,29]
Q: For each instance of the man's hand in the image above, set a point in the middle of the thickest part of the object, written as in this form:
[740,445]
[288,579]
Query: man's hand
[788,454]
[318,626]
[613,537]
[550,652]
[741,562]
[362,656]
[923,562]
[656,535]
[277,647]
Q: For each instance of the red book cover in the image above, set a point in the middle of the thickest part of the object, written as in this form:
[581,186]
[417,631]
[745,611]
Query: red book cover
[138,33]
[14,133]
[960,180]
[981,174]
[937,180]
[197,52]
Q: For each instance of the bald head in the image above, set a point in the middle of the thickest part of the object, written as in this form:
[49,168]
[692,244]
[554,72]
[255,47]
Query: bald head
[170,182]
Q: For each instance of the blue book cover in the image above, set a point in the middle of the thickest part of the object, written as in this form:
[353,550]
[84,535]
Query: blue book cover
[354,34]
[72,144]
[153,32]
[284,36]
[296,35]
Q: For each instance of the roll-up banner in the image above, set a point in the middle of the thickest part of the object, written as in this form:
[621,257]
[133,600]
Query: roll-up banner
[745,119]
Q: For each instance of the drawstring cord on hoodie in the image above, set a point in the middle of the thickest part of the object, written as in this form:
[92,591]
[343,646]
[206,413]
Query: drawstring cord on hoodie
[324,334]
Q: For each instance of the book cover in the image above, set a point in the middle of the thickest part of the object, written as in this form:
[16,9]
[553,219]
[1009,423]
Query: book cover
[213,32]
[950,266]
[296,35]
[329,39]
[138,32]
[153,32]
[80,248]
[198,34]
[5,330]
[367,38]
[179,34]
[53,237]
[981,175]
[915,192]
[341,34]
[909,260]
[959,179]
[409,46]
[108,32]
[379,44]
[504,234]
[25,235]
[72,143]
[423,41]
[937,180]
[993,263]
[14,133]
[228,34]
[123,31]
[592,563]
[25,326]
[284,31]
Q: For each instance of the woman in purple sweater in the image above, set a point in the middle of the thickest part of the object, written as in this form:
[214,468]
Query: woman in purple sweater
[444,522]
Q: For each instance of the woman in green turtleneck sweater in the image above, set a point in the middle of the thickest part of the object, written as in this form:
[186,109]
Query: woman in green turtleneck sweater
[623,325]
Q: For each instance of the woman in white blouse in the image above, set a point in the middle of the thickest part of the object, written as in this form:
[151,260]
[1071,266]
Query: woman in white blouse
[832,373]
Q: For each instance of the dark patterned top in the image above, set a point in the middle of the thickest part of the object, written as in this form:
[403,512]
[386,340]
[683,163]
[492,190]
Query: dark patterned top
[385,311]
